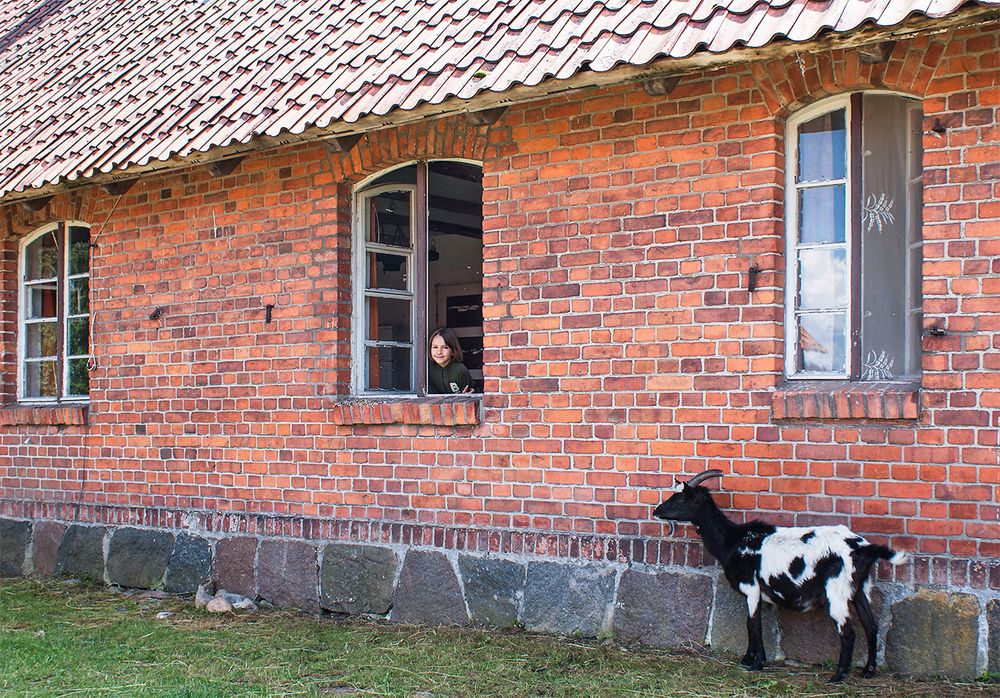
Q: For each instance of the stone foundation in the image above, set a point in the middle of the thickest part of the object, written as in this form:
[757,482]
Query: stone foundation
[923,630]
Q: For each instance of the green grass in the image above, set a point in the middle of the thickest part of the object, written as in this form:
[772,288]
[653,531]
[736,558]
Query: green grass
[58,640]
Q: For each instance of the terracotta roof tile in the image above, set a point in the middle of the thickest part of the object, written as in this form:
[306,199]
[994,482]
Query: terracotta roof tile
[93,86]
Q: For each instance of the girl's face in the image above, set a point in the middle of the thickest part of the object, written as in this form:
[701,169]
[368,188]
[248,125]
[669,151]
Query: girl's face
[440,351]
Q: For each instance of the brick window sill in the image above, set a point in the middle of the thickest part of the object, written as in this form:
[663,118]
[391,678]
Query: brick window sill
[436,410]
[43,415]
[846,400]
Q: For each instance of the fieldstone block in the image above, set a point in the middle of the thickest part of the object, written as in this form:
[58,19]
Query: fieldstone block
[137,558]
[45,539]
[81,553]
[934,634]
[567,599]
[663,609]
[190,565]
[357,579]
[428,592]
[812,638]
[234,568]
[729,623]
[288,574]
[993,646]
[493,589]
[14,538]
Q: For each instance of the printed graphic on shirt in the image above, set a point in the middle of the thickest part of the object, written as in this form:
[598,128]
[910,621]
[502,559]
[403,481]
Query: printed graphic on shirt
[454,387]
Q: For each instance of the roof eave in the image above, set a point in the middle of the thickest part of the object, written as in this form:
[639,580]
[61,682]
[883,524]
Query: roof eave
[582,80]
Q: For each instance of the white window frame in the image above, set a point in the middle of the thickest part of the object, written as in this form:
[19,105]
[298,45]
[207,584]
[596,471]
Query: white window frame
[852,180]
[791,233]
[362,247]
[63,299]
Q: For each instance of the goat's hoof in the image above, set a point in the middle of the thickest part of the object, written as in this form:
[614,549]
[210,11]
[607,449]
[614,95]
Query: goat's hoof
[867,673]
[756,666]
[837,678]
[747,659]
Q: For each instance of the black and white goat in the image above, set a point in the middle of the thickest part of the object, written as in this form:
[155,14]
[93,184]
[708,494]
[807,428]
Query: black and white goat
[799,568]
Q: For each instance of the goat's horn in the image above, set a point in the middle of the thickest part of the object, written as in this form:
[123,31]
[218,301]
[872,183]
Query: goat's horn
[701,477]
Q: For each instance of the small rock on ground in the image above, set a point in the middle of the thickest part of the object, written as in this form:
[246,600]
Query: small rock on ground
[218,605]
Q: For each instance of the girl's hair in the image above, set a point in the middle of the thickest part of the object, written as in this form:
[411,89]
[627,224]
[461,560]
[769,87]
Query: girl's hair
[450,339]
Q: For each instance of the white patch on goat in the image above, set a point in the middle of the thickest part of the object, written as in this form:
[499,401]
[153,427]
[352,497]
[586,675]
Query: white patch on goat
[779,549]
[752,594]
[838,593]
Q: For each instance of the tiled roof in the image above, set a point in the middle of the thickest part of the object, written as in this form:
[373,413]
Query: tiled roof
[92,86]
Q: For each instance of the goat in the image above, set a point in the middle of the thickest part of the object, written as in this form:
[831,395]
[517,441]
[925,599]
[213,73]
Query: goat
[799,568]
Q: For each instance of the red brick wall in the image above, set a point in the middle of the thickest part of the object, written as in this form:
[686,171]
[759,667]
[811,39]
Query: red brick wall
[622,344]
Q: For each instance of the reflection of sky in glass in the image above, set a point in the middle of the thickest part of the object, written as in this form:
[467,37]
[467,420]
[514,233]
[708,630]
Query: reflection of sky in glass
[822,278]
[823,343]
[821,214]
[822,148]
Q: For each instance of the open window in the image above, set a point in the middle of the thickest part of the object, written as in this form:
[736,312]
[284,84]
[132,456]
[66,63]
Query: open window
[853,216]
[418,266]
[54,314]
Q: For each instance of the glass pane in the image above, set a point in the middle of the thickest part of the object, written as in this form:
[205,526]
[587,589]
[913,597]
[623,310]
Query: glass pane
[79,250]
[79,337]
[387,271]
[389,218]
[823,343]
[79,377]
[389,320]
[40,379]
[41,258]
[823,278]
[42,301]
[822,148]
[79,296]
[821,214]
[40,339]
[388,368]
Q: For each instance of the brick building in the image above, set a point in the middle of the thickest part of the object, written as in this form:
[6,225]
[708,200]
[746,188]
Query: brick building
[760,237]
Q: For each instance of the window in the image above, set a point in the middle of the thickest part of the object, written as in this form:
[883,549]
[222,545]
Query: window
[853,216]
[54,314]
[418,266]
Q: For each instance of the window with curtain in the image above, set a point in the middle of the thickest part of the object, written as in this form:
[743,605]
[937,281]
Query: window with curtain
[853,216]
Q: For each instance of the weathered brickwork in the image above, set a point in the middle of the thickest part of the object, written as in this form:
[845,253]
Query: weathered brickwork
[622,345]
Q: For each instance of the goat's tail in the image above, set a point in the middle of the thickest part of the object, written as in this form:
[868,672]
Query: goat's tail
[886,553]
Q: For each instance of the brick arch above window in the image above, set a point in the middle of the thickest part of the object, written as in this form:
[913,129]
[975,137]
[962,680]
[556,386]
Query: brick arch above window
[788,83]
[80,205]
[453,138]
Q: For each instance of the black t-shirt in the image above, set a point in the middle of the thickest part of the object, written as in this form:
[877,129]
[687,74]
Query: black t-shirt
[453,378]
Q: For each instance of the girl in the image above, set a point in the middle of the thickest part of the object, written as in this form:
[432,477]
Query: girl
[445,371]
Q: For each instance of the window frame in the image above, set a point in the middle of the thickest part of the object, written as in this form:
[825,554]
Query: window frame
[419,212]
[853,191]
[61,228]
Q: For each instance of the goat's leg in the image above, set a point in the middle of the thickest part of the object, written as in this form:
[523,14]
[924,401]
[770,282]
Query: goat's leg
[870,625]
[754,658]
[846,651]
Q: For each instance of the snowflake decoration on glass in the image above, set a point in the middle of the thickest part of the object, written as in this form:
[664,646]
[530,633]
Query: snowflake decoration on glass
[877,212]
[878,367]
